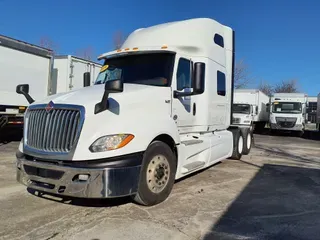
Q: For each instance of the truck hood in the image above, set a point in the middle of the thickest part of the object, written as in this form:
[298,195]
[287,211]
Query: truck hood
[89,96]
[141,110]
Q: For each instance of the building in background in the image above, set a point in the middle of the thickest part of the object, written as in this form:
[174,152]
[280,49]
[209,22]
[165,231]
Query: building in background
[312,115]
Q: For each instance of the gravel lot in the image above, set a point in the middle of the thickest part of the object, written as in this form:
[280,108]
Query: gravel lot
[271,194]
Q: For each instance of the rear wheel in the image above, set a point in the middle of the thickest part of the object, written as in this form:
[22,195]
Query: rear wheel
[238,143]
[157,174]
[299,133]
[247,140]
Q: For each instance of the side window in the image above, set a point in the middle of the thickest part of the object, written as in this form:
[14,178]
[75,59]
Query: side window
[221,81]
[183,74]
[218,39]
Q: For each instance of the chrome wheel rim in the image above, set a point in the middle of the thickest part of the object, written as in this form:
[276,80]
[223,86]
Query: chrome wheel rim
[158,172]
[240,144]
[249,141]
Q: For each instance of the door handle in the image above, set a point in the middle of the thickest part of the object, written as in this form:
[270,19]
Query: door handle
[194,109]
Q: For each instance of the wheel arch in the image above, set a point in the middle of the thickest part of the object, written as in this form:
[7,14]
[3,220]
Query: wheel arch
[167,139]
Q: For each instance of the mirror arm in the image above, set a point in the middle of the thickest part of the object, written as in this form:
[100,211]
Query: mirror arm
[177,94]
[28,97]
[103,105]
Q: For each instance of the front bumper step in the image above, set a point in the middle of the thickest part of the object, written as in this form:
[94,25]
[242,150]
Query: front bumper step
[78,182]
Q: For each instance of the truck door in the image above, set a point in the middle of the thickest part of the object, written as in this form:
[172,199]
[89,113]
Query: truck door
[183,107]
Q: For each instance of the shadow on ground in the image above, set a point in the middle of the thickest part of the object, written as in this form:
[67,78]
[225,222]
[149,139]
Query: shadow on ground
[280,202]
[308,134]
[279,152]
[111,202]
[8,135]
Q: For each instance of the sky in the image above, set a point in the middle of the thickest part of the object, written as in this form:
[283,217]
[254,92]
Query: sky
[278,40]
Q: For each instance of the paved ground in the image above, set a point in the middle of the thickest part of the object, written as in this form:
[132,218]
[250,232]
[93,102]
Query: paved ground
[271,194]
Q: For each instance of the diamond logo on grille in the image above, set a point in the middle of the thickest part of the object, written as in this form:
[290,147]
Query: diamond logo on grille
[49,107]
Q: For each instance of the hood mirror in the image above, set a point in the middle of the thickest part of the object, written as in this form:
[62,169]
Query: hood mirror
[24,90]
[115,86]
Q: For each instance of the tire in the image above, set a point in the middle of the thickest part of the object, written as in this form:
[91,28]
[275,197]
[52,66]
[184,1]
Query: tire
[159,163]
[247,140]
[299,133]
[259,127]
[272,132]
[237,144]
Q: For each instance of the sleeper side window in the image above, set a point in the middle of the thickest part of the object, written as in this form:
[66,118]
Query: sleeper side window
[218,39]
[183,74]
[221,83]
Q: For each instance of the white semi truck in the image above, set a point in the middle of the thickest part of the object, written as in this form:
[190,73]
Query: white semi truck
[45,73]
[159,110]
[288,112]
[250,108]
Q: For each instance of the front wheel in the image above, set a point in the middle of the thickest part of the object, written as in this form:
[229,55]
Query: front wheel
[299,133]
[157,174]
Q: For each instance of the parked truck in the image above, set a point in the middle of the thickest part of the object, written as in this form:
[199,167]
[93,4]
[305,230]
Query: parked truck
[288,112]
[160,109]
[21,62]
[45,73]
[250,108]
[68,72]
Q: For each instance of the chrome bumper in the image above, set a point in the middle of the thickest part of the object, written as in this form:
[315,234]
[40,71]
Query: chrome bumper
[103,182]
[297,127]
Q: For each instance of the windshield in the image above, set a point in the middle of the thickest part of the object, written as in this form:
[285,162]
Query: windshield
[151,69]
[241,108]
[286,107]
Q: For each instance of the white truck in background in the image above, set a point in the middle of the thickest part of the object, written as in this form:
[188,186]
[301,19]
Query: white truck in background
[250,108]
[45,73]
[21,62]
[288,112]
[68,70]
[159,110]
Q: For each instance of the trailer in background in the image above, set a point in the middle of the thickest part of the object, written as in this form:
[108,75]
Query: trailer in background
[21,62]
[46,74]
[68,73]
[250,108]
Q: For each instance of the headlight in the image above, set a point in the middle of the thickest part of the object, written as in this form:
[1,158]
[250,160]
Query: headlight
[246,121]
[110,142]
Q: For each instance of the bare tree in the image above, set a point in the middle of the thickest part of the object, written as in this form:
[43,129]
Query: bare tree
[47,42]
[289,86]
[85,53]
[266,88]
[241,75]
[118,39]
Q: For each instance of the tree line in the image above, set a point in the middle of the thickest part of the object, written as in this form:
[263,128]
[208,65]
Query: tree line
[242,75]
[243,79]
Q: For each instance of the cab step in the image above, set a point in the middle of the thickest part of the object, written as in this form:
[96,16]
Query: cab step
[192,166]
[191,142]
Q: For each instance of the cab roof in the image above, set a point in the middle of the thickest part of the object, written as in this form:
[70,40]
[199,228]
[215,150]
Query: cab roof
[193,37]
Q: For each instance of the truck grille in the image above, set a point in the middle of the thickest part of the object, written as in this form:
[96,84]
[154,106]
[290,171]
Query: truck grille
[53,131]
[236,120]
[289,122]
